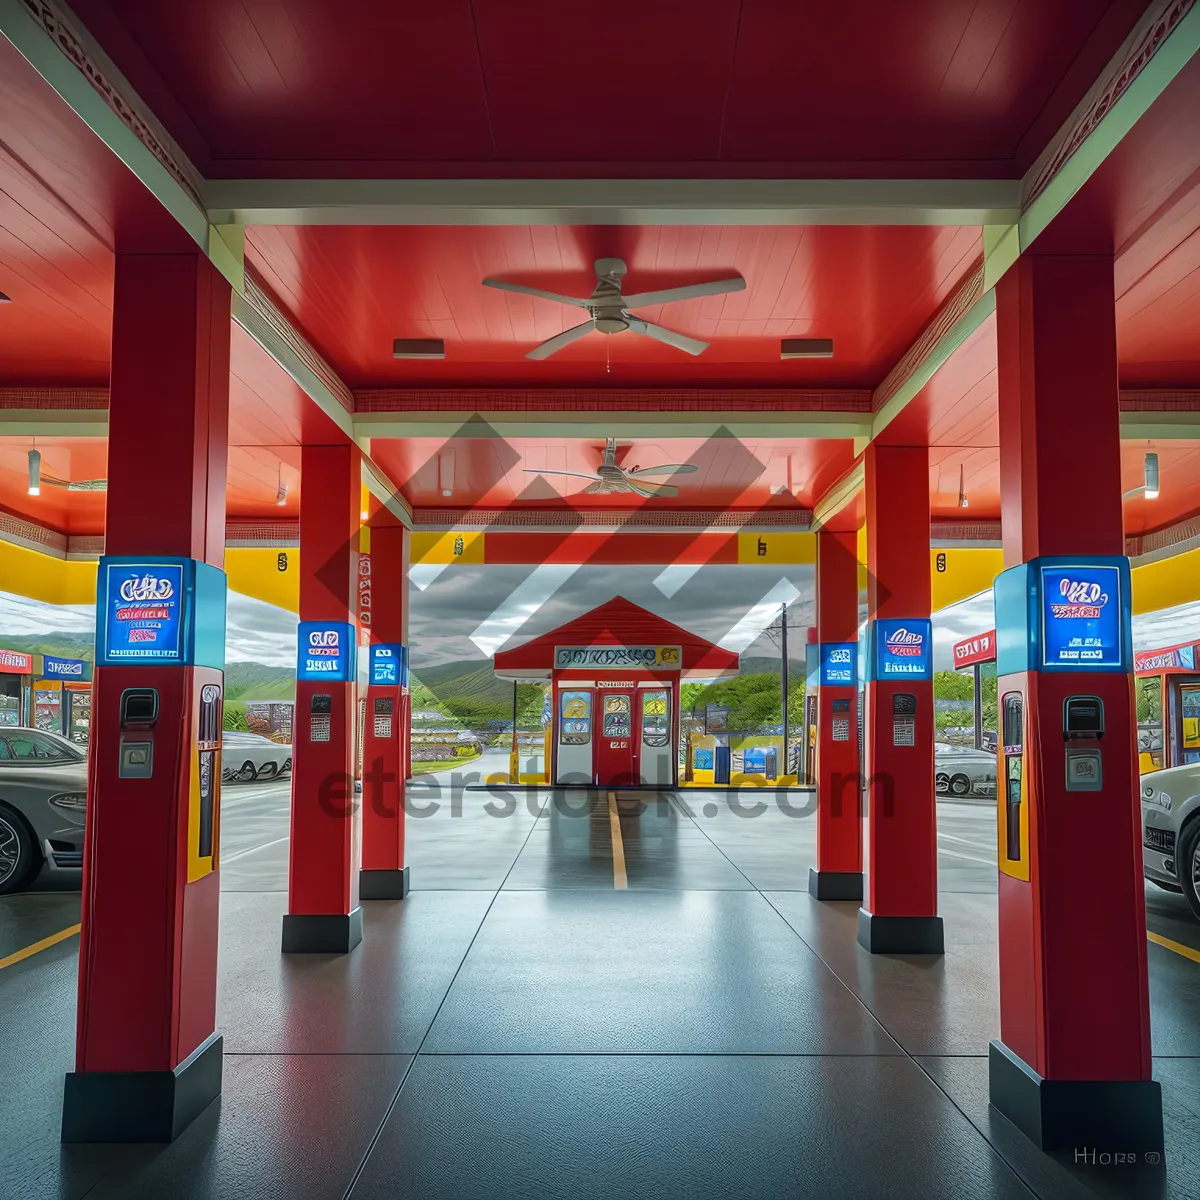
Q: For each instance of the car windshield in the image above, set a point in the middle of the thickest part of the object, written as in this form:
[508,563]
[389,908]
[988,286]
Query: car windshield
[31,745]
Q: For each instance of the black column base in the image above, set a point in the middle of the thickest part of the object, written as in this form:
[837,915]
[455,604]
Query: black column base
[322,933]
[835,885]
[383,885]
[1101,1116]
[141,1106]
[900,935]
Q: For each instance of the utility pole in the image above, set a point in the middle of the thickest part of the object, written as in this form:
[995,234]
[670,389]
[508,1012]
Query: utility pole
[783,684]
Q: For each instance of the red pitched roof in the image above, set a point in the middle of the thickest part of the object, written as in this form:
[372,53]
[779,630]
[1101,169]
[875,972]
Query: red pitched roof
[618,622]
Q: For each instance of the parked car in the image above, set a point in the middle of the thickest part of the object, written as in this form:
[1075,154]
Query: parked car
[963,770]
[249,756]
[1171,830]
[43,800]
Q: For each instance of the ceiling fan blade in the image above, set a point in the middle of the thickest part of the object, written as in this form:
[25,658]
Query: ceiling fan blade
[665,469]
[559,340]
[532,291]
[718,287]
[678,340]
[573,474]
[655,489]
[598,487]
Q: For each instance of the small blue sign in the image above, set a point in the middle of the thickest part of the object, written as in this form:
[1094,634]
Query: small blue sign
[754,761]
[838,663]
[389,665]
[145,610]
[325,651]
[1187,657]
[61,668]
[702,760]
[1081,617]
[903,648]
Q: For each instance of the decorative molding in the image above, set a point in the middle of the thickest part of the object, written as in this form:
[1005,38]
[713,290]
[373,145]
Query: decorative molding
[1159,400]
[284,534]
[21,532]
[257,313]
[986,532]
[54,399]
[610,519]
[380,400]
[922,351]
[1164,543]
[95,66]
[1147,37]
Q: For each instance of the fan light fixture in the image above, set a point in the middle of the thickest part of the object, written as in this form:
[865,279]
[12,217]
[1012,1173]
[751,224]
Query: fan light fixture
[35,473]
[608,308]
[962,494]
[609,478]
[1150,480]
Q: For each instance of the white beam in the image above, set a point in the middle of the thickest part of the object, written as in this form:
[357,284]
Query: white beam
[612,201]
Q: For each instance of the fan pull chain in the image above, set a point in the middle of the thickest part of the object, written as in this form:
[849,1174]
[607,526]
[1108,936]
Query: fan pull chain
[607,357]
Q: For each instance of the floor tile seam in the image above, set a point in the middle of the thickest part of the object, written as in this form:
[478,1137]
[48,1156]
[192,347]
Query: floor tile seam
[830,968]
[358,1170]
[674,802]
[766,1054]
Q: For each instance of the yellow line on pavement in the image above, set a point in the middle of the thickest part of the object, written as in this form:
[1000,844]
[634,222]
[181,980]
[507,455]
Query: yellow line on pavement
[1178,947]
[620,879]
[44,944]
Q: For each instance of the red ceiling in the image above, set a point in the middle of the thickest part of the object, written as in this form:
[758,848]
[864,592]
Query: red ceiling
[731,473]
[278,88]
[355,288]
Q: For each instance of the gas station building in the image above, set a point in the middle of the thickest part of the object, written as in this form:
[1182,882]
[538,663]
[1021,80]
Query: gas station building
[325,307]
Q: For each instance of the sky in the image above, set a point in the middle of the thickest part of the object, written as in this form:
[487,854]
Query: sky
[470,611]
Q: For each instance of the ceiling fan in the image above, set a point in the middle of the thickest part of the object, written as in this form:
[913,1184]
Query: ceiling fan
[608,309]
[609,477]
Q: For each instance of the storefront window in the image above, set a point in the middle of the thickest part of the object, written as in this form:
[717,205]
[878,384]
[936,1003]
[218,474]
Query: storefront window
[1150,722]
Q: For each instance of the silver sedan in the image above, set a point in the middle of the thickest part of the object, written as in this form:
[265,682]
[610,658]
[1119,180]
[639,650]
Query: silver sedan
[43,801]
[246,757]
[963,770]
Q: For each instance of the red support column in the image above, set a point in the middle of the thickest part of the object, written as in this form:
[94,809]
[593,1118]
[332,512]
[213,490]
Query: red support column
[1072,1066]
[323,911]
[384,875]
[147,1057]
[838,874]
[901,913]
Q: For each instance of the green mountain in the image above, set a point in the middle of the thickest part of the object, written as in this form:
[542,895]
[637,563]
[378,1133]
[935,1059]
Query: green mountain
[55,643]
[253,681]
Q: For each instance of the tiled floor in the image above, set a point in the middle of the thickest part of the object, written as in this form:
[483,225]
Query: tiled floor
[521,1027]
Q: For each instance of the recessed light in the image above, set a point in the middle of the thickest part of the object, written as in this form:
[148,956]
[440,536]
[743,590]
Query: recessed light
[806,348]
[418,348]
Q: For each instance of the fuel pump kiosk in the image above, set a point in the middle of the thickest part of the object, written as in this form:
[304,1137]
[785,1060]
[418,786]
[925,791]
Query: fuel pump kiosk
[1073,1059]
[154,783]
[384,874]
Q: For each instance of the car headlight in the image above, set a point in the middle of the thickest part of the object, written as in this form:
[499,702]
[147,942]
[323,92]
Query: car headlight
[72,801]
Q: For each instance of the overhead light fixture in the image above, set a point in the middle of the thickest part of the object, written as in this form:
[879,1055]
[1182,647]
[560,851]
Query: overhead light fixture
[281,492]
[445,469]
[35,473]
[418,348]
[1150,475]
[806,348]
[962,494]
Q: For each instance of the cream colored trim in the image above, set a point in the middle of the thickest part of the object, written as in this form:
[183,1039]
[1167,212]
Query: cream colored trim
[382,488]
[841,494]
[601,424]
[1160,426]
[54,422]
[612,201]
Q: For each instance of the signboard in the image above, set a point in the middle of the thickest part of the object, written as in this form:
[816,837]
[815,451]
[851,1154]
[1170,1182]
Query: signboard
[838,661]
[15,663]
[974,650]
[61,668]
[903,648]
[389,665]
[616,658]
[144,612]
[841,729]
[325,651]
[1172,658]
[1081,617]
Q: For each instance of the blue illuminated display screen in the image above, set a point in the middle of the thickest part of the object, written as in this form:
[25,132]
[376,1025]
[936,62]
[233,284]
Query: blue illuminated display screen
[146,607]
[903,649]
[325,651]
[1081,617]
[839,661]
[388,665]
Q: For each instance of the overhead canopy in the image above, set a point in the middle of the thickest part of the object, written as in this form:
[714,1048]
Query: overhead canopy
[619,622]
